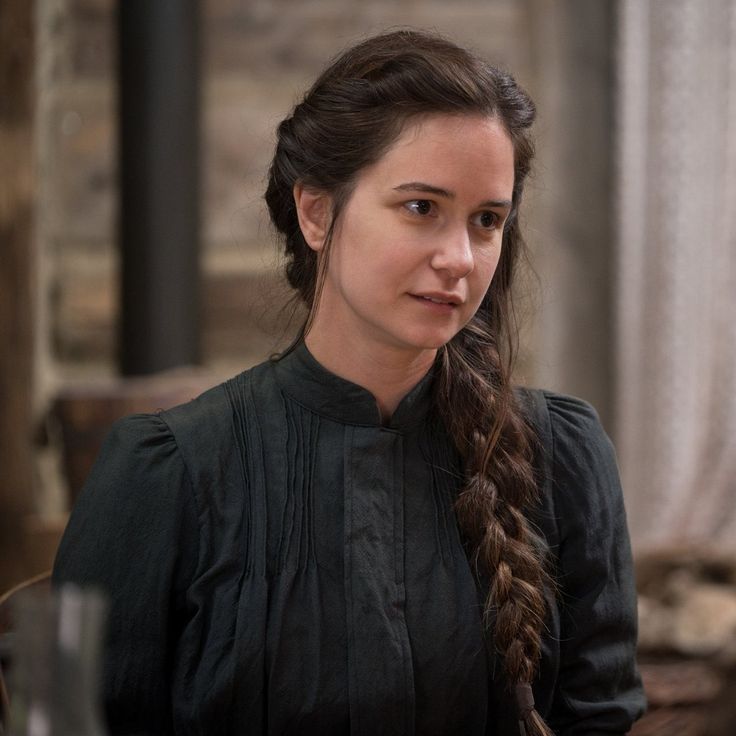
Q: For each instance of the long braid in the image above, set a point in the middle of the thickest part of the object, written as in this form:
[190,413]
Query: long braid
[498,447]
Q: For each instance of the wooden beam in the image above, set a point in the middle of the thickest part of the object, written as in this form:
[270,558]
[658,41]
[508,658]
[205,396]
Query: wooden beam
[16,267]
[158,66]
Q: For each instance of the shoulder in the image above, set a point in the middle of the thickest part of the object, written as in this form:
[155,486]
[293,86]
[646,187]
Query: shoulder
[137,445]
[158,455]
[204,417]
[574,421]
[581,470]
[139,466]
[174,441]
[583,456]
[135,504]
[147,441]
[569,429]
[207,420]
[161,471]
[561,418]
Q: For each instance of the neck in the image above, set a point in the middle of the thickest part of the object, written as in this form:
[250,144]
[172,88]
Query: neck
[389,374]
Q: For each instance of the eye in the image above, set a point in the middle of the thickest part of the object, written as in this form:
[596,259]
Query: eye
[487,220]
[422,207]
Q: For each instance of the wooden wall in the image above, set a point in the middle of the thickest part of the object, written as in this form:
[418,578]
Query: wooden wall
[16,281]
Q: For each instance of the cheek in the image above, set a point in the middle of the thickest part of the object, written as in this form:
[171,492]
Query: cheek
[378,255]
[486,263]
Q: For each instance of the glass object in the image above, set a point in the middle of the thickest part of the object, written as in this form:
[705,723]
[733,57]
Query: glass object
[55,677]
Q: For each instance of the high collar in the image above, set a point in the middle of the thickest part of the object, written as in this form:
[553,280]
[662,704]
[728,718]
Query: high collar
[309,383]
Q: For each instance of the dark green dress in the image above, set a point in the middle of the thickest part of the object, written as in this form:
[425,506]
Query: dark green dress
[280,563]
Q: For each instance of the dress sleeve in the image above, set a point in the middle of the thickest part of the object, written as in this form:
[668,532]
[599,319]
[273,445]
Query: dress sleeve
[599,690]
[134,534]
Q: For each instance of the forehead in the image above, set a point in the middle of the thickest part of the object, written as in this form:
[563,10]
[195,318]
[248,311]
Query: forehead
[447,150]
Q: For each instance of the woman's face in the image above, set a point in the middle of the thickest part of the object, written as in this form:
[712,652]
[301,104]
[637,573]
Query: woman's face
[419,239]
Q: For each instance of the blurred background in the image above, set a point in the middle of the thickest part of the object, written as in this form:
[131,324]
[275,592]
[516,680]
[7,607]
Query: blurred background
[137,265]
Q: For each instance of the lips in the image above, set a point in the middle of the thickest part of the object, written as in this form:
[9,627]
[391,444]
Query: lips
[452,300]
[435,301]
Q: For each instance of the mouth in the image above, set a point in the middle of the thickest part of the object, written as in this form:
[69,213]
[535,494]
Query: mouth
[449,300]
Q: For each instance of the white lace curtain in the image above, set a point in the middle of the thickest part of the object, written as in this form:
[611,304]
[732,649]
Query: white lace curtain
[676,282]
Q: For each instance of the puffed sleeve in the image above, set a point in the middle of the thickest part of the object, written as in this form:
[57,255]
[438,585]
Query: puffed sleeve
[133,534]
[599,690]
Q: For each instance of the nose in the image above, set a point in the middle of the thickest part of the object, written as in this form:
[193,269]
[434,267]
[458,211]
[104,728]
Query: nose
[454,254]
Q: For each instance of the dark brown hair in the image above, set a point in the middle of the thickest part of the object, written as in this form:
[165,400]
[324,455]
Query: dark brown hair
[352,114]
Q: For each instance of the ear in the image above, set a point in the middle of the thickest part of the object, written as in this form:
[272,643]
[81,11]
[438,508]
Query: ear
[314,210]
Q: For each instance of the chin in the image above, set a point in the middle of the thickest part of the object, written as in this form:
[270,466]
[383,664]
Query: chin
[431,342]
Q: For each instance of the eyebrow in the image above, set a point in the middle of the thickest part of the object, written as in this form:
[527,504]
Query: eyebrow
[418,186]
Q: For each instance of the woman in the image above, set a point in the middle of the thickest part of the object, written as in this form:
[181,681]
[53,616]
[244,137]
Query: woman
[374,534]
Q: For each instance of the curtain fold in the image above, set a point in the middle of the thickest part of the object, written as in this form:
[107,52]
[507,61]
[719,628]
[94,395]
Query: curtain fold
[675,394]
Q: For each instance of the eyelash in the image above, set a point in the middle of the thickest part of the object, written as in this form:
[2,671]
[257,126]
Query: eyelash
[412,203]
